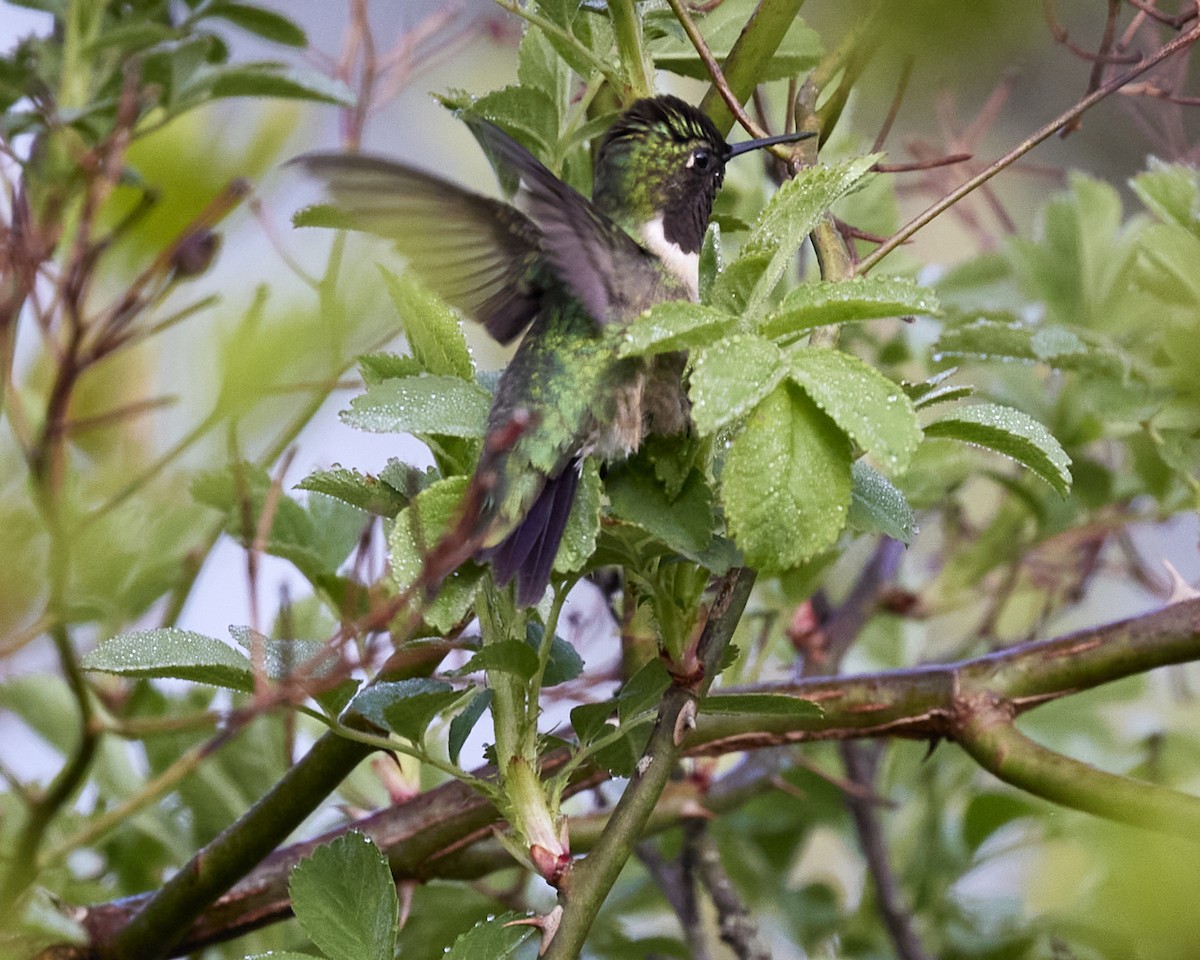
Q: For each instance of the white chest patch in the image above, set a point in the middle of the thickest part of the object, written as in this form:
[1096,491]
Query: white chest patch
[685,266]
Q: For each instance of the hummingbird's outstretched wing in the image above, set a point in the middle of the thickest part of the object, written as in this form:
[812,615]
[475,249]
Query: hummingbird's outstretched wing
[479,254]
[610,273]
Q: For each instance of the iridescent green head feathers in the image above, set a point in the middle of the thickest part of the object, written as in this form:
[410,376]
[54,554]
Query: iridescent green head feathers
[663,161]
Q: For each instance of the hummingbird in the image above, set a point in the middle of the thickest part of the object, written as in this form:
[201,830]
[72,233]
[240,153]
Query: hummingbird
[565,270]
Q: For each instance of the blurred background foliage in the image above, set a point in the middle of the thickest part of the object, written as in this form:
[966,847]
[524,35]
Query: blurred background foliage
[1070,290]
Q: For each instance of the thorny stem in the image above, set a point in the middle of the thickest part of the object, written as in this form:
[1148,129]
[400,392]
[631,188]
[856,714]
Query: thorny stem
[860,768]
[428,834]
[594,877]
[1058,123]
[720,84]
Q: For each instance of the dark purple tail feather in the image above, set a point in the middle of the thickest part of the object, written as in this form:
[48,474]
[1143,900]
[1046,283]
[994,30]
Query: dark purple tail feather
[528,552]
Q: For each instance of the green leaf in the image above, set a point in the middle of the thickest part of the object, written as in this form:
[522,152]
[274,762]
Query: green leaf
[872,409]
[782,226]
[643,690]
[316,536]
[591,719]
[380,366]
[263,23]
[684,523]
[799,50]
[433,332]
[1171,191]
[345,899]
[428,405]
[267,80]
[281,955]
[506,656]
[564,662]
[406,707]
[357,489]
[462,725]
[761,704]
[417,530]
[491,940]
[786,482]
[988,812]
[583,523]
[824,302]
[1009,432]
[876,506]
[171,653]
[525,112]
[674,325]
[729,378]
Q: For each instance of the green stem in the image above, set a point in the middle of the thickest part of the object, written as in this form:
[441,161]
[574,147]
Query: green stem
[627,27]
[165,918]
[23,867]
[836,264]
[759,40]
[553,30]
[996,745]
[592,879]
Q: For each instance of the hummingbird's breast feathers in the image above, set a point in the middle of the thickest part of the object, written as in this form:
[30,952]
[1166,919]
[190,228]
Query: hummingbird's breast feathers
[682,265]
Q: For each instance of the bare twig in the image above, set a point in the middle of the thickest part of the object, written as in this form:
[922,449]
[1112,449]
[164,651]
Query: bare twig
[737,926]
[861,766]
[930,214]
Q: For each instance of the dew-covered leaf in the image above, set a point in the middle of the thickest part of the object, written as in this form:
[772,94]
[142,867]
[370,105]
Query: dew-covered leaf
[786,482]
[383,365]
[417,530]
[787,219]
[406,707]
[357,489]
[344,897]
[433,332]
[1009,432]
[583,523]
[873,410]
[525,112]
[492,939]
[825,302]
[172,653]
[730,377]
[876,506]
[684,522]
[427,405]
[674,325]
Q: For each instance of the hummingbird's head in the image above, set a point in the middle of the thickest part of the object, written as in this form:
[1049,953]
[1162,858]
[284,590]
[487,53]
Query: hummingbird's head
[661,161]
[658,170]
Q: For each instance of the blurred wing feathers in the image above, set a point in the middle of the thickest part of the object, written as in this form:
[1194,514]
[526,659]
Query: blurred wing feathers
[605,268]
[479,254]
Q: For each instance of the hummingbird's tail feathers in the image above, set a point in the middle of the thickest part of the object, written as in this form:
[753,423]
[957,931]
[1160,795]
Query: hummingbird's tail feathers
[528,552]
[477,253]
[609,272]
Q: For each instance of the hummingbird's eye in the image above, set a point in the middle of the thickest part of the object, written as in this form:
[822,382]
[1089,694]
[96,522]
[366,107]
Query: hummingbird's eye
[700,159]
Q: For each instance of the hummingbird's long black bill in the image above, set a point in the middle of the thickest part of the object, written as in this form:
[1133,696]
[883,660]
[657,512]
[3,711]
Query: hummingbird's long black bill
[747,145]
